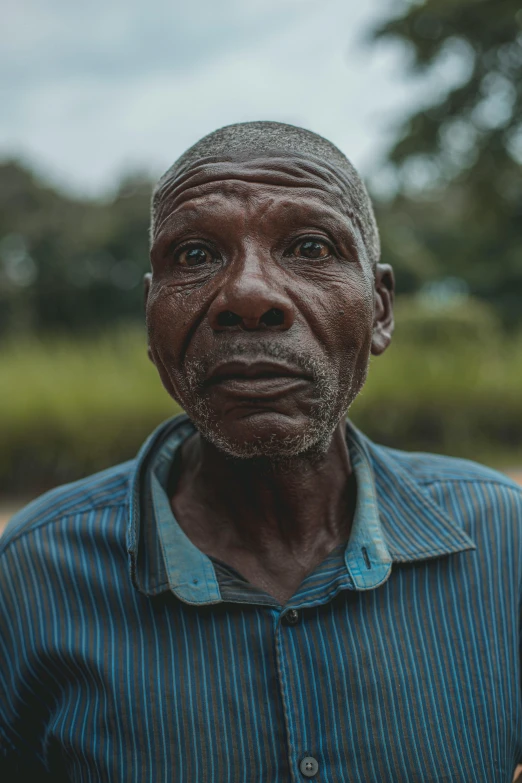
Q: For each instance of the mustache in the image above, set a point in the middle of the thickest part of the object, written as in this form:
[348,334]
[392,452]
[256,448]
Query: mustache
[198,369]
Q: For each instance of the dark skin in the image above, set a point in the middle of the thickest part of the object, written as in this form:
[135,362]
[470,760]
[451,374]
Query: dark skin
[248,264]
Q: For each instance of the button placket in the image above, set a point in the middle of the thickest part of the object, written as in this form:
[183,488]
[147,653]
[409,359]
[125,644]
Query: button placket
[302,764]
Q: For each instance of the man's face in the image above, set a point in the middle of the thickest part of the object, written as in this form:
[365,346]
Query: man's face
[263,307]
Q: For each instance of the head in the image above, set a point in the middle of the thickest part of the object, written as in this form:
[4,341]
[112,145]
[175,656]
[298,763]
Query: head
[266,297]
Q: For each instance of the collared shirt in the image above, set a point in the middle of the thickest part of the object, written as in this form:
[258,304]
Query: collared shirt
[126,654]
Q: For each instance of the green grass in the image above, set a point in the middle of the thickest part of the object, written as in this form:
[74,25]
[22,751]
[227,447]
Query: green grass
[70,408]
[460,399]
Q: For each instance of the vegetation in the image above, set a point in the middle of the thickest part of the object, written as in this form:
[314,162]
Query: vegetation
[68,265]
[456,170]
[71,407]
[77,390]
[450,383]
[457,161]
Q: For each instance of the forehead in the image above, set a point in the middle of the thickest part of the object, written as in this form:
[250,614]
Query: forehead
[291,180]
[230,207]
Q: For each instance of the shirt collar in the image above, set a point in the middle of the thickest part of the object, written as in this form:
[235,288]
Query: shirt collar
[415,527]
[394,521]
[190,572]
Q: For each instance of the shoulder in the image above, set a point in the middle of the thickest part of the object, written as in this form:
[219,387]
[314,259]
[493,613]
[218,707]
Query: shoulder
[88,496]
[429,469]
[482,501]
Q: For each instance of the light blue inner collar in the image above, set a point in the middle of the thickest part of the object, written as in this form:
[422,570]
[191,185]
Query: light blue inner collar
[190,572]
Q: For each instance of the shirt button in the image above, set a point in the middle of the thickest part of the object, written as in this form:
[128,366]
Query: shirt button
[291,617]
[309,766]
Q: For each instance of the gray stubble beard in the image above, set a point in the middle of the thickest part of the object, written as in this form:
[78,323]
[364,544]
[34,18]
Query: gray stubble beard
[334,401]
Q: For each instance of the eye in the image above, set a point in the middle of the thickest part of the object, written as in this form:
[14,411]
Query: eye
[194,255]
[311,248]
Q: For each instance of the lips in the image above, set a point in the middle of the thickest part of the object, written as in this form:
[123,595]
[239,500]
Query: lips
[256,379]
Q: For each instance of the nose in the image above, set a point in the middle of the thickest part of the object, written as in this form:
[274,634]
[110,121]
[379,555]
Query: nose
[252,298]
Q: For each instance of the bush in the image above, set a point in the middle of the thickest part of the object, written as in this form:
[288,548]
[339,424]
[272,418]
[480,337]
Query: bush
[429,323]
[450,382]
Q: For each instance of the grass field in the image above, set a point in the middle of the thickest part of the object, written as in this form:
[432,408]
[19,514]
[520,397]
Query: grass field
[71,407]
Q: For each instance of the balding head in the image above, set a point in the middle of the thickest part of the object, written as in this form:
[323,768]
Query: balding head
[251,140]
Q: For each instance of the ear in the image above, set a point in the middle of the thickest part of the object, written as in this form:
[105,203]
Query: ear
[147,279]
[383,322]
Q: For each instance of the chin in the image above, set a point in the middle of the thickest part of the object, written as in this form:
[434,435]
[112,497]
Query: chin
[289,427]
[268,434]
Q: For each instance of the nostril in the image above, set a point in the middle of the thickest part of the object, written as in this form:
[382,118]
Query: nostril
[273,317]
[228,318]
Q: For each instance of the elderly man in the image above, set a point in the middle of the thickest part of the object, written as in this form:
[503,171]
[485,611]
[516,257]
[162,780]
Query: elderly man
[263,594]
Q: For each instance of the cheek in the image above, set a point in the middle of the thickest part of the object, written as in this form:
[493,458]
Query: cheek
[340,310]
[172,316]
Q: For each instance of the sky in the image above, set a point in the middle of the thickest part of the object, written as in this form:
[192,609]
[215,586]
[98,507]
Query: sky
[90,91]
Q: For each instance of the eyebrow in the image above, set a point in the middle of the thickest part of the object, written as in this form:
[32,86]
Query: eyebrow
[333,214]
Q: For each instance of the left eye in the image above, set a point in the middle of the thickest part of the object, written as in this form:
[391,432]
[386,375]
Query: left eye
[311,248]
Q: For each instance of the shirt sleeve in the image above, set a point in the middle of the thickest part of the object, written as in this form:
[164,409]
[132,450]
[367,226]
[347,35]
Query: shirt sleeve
[24,683]
[517,516]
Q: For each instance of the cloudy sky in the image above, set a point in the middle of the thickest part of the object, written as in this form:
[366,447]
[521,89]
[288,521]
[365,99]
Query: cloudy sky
[91,90]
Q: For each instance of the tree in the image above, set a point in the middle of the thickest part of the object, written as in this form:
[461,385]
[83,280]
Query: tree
[466,148]
[66,263]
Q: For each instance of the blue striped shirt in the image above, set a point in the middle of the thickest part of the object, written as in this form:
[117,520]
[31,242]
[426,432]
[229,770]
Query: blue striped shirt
[126,654]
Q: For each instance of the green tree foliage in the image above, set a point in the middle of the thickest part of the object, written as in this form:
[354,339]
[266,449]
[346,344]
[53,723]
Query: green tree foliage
[68,264]
[72,264]
[458,159]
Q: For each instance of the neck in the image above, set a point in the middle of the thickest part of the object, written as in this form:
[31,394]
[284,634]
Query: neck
[300,507]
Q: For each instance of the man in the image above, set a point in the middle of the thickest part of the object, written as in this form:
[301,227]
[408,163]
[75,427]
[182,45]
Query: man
[264,594]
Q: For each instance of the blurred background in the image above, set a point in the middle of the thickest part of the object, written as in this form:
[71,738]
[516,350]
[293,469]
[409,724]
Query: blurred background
[98,100]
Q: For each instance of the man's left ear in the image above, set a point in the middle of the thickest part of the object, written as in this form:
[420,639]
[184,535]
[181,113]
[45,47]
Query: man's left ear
[383,322]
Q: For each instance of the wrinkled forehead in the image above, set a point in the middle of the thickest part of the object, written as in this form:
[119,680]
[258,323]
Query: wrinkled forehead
[293,171]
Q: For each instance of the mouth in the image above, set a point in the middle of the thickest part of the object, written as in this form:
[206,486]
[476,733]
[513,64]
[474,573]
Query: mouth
[256,379]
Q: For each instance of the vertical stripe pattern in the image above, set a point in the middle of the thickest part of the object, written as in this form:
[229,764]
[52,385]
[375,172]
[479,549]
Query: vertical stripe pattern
[106,674]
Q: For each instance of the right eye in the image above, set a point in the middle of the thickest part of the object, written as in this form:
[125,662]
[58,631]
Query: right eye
[194,255]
